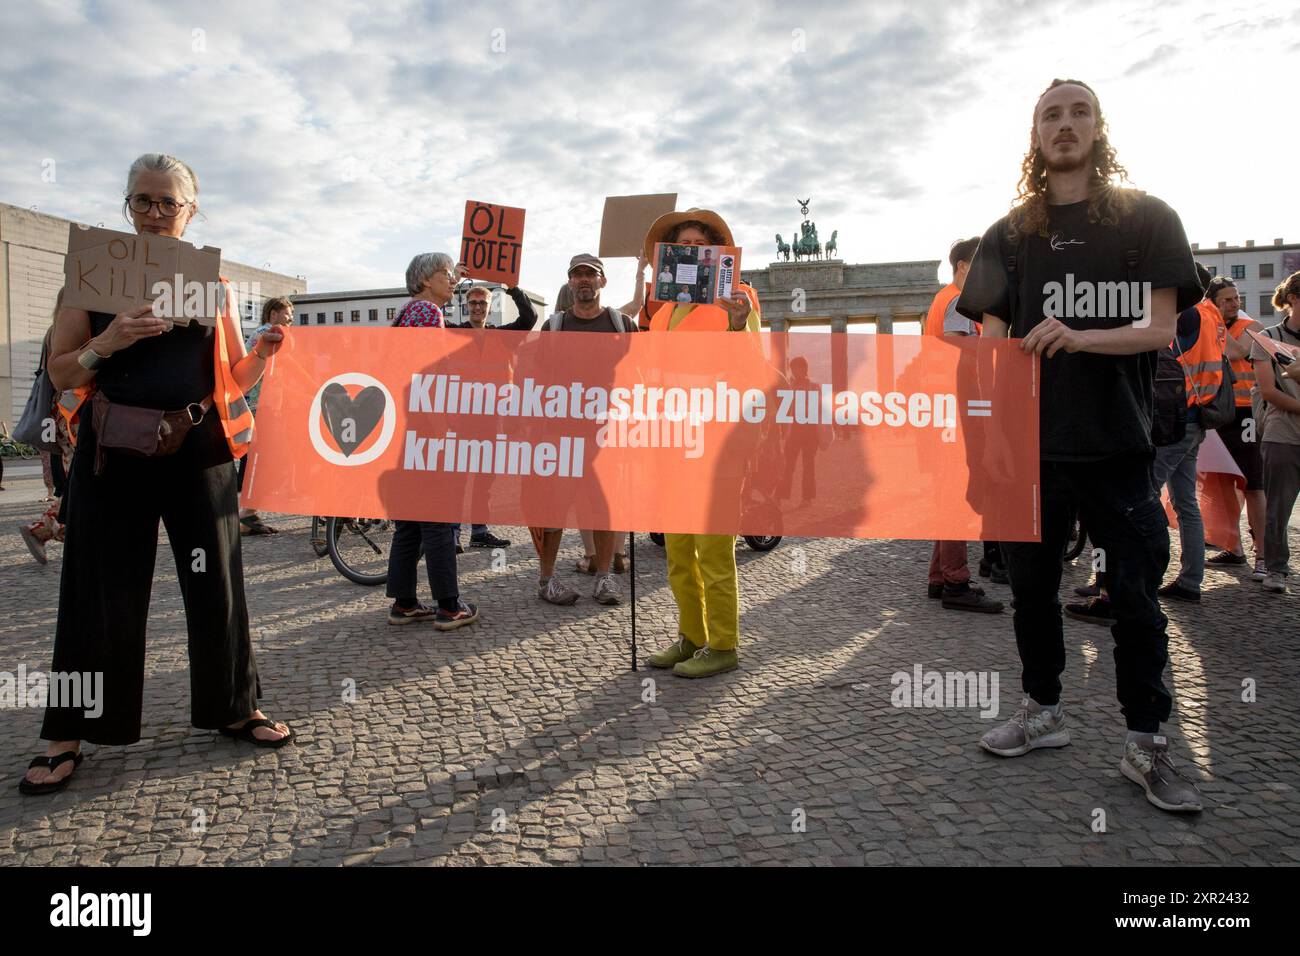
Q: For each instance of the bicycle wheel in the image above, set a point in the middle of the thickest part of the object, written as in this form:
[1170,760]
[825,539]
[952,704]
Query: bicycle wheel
[762,542]
[359,548]
[27,451]
[1078,540]
[318,542]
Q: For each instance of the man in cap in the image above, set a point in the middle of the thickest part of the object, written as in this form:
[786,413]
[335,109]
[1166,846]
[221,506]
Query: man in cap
[586,279]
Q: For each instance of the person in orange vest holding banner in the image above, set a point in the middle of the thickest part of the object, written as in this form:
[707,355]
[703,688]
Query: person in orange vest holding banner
[1200,343]
[702,567]
[949,577]
[1240,436]
[198,376]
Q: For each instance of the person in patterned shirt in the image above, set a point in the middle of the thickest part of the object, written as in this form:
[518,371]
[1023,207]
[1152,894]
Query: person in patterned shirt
[431,279]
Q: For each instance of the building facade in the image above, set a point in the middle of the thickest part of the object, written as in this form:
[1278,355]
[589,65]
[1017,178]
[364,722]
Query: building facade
[32,247]
[1255,269]
[882,297]
[380,307]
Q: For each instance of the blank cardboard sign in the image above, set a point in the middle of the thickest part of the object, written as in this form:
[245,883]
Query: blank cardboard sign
[628,218]
[492,241]
[107,271]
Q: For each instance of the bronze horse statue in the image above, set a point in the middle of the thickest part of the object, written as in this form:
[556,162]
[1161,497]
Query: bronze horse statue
[782,248]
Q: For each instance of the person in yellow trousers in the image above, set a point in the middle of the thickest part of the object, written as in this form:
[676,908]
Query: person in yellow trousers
[702,567]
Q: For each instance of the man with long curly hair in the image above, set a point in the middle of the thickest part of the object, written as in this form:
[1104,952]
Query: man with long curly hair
[1091,277]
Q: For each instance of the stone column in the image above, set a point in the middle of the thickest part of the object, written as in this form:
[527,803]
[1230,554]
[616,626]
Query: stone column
[885,322]
[839,323]
[776,323]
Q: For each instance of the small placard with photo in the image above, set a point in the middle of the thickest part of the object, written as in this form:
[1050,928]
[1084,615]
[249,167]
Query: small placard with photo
[695,275]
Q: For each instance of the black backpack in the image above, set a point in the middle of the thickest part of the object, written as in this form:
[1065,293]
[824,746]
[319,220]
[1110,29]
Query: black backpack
[556,322]
[1169,408]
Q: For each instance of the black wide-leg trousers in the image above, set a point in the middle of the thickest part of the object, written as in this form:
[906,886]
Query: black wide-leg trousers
[109,550]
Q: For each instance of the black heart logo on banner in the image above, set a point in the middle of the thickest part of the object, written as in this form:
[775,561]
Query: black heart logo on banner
[364,412]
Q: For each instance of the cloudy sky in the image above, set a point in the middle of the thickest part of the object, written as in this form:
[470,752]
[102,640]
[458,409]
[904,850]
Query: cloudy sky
[337,139]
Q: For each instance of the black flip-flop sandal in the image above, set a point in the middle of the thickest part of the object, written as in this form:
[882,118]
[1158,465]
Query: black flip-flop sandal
[255,525]
[245,733]
[51,763]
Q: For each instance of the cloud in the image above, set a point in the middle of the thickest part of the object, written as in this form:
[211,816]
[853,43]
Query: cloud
[336,140]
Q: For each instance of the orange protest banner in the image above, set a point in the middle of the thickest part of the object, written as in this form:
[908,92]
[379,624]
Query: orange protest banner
[491,242]
[820,435]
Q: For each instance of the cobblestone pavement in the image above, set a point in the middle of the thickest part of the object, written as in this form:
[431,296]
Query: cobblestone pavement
[527,739]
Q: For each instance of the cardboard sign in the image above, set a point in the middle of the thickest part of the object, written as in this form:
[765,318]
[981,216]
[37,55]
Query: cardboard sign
[491,242]
[1280,351]
[694,275]
[628,218]
[869,436]
[107,271]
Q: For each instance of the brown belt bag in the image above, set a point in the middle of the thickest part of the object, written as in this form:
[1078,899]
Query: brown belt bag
[143,432]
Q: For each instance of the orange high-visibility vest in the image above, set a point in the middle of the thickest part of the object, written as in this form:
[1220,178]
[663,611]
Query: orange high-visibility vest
[227,397]
[703,318]
[934,319]
[1204,360]
[1243,369]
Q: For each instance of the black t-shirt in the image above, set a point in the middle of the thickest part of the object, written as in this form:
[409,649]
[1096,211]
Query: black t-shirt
[166,372]
[1092,406]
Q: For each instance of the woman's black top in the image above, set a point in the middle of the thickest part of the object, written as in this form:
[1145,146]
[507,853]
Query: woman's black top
[166,372]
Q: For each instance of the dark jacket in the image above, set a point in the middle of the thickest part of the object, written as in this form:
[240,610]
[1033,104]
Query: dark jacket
[527,314]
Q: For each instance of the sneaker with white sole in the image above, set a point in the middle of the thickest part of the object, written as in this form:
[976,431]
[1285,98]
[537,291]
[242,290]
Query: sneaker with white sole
[607,590]
[1146,762]
[1260,572]
[1274,582]
[1033,726]
[553,592]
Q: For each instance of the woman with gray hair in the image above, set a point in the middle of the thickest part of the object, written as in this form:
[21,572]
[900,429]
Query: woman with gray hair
[131,382]
[431,279]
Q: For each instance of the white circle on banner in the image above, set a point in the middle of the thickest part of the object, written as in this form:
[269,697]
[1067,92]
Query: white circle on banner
[335,457]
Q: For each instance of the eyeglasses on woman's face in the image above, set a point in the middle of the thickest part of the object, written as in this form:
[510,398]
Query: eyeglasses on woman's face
[167,207]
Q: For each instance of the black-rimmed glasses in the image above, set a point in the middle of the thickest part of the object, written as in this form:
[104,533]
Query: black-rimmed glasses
[168,208]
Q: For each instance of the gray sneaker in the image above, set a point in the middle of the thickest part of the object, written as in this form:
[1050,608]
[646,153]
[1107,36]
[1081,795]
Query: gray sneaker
[1146,762]
[1033,726]
[607,591]
[1275,582]
[554,592]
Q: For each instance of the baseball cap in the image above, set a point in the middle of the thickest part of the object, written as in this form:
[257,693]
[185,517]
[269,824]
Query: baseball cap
[587,259]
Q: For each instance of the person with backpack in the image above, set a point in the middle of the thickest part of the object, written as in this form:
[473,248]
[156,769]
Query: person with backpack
[192,379]
[1277,414]
[1199,344]
[1073,228]
[586,280]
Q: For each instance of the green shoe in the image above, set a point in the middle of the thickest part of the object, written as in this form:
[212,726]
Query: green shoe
[706,662]
[676,652]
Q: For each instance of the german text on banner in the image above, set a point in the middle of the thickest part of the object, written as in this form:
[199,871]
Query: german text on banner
[835,435]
